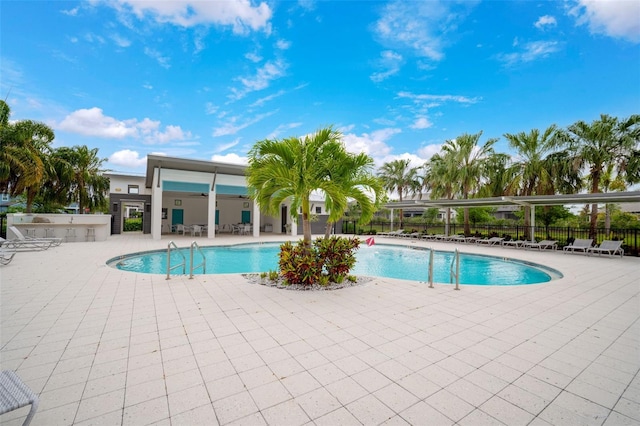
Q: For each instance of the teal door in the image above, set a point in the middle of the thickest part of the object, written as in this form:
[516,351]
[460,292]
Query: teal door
[217,217]
[246,216]
[177,217]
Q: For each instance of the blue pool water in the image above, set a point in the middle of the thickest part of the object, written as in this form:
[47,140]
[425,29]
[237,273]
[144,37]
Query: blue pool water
[380,260]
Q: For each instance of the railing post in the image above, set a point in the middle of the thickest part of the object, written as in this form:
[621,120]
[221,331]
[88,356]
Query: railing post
[457,270]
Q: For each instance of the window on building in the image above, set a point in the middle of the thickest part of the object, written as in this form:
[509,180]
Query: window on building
[133,189]
[4,197]
[318,210]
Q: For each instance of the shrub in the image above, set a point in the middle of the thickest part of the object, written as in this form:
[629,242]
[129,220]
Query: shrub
[331,257]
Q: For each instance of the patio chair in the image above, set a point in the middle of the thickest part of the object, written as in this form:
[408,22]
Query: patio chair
[6,256]
[578,245]
[541,245]
[180,228]
[196,229]
[15,394]
[20,236]
[490,241]
[609,247]
[24,245]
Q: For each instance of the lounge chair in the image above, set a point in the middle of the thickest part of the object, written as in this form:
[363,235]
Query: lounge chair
[512,243]
[490,241]
[609,247]
[14,394]
[411,235]
[541,245]
[6,256]
[389,233]
[20,236]
[579,245]
[24,245]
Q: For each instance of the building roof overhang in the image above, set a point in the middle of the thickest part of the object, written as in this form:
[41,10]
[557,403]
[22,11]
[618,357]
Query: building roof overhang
[533,200]
[173,163]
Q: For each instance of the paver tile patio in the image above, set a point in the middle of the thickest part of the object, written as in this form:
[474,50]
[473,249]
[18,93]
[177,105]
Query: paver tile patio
[102,346]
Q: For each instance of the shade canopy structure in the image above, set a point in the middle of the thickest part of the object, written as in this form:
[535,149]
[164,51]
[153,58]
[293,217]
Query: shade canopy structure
[531,200]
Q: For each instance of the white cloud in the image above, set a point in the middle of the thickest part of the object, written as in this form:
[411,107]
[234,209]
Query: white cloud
[530,52]
[436,100]
[241,15]
[120,41]
[373,144]
[226,146]
[282,128]
[421,123]
[127,158]
[230,158]
[390,63]
[545,21]
[70,12]
[154,54]
[617,18]
[307,4]
[253,57]
[266,99]
[420,27]
[427,151]
[283,44]
[93,122]
[210,108]
[261,80]
[235,124]
[92,38]
[147,86]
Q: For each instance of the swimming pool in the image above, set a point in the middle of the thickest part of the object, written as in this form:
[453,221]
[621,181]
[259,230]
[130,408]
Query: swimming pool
[380,260]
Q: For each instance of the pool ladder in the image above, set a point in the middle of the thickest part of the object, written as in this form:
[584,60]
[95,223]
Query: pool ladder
[454,262]
[170,268]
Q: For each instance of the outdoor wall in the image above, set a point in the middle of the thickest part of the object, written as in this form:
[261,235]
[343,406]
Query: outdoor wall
[318,226]
[59,223]
[119,184]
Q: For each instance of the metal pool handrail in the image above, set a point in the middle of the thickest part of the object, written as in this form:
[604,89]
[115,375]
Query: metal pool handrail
[430,279]
[204,260]
[456,274]
[169,267]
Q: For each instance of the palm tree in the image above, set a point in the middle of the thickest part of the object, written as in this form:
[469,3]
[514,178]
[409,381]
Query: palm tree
[498,174]
[293,168]
[603,143]
[468,159]
[398,176]
[533,176]
[81,174]
[353,174]
[440,172]
[24,149]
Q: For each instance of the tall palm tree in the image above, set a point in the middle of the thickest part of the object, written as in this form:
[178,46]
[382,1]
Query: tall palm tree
[603,143]
[534,152]
[468,158]
[82,175]
[440,172]
[293,168]
[398,176]
[353,174]
[24,150]
[498,176]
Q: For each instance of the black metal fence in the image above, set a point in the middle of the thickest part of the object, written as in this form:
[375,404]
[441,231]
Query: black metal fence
[564,235]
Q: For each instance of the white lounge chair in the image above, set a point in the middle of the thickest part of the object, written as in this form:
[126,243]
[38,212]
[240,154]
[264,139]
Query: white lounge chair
[541,245]
[20,236]
[24,245]
[490,241]
[579,245]
[411,235]
[609,247]
[512,243]
[6,256]
[391,233]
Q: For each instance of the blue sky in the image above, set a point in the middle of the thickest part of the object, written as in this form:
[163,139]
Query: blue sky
[206,80]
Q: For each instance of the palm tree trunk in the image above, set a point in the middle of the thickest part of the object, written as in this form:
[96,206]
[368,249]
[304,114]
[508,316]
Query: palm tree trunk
[467,228]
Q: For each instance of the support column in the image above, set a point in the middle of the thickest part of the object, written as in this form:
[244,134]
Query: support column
[211,214]
[156,206]
[256,219]
[533,223]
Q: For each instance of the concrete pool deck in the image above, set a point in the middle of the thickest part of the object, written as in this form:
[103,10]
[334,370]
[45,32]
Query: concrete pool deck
[102,346]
